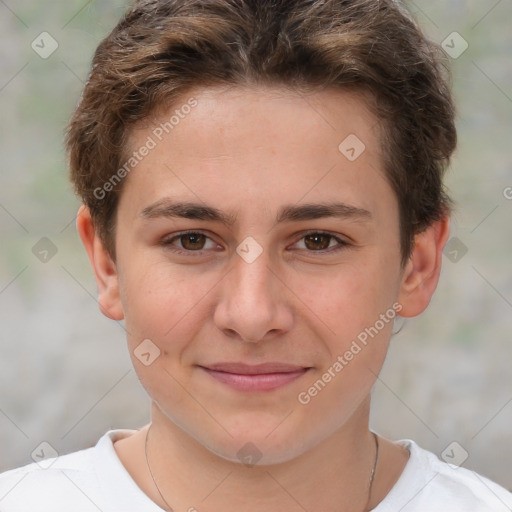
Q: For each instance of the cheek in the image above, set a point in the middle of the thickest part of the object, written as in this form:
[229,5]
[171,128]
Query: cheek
[164,302]
[354,308]
[163,316]
[349,297]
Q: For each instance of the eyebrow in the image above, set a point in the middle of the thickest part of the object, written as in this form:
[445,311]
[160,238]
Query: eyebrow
[168,208]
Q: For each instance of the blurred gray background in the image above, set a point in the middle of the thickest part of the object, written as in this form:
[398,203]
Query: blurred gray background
[65,374]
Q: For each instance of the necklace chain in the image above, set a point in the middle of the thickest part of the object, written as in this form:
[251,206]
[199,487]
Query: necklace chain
[170,509]
[372,475]
[370,486]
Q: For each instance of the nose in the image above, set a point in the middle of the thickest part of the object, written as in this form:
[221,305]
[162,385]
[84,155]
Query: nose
[254,303]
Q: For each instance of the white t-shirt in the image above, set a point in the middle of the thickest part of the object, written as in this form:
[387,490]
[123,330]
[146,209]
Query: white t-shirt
[94,479]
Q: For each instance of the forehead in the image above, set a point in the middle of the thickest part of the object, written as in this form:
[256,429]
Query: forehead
[327,115]
[268,143]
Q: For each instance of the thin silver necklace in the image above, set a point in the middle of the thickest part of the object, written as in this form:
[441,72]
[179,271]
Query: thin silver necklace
[169,508]
[370,486]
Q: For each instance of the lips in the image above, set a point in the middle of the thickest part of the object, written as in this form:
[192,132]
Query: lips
[257,369]
[261,377]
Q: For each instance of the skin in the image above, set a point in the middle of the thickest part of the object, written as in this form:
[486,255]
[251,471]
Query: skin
[249,151]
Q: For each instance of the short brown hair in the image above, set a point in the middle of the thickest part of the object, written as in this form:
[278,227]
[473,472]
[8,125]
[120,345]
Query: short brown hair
[161,49]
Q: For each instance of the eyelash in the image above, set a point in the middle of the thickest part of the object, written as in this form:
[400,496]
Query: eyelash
[167,242]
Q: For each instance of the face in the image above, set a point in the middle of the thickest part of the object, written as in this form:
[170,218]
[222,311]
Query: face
[288,255]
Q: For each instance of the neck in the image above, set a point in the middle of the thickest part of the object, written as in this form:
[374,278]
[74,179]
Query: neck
[333,476]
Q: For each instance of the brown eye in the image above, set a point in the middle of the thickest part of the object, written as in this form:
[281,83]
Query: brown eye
[321,242]
[193,241]
[189,242]
[317,241]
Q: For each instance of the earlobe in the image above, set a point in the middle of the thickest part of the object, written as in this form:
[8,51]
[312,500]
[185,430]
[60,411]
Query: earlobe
[105,270]
[421,273]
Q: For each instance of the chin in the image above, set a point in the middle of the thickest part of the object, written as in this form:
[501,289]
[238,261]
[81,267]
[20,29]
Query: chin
[258,454]
[256,448]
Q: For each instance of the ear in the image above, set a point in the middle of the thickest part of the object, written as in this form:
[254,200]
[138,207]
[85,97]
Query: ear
[105,270]
[421,273]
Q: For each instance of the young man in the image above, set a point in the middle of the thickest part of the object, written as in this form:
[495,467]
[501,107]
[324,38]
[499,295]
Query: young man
[262,189]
